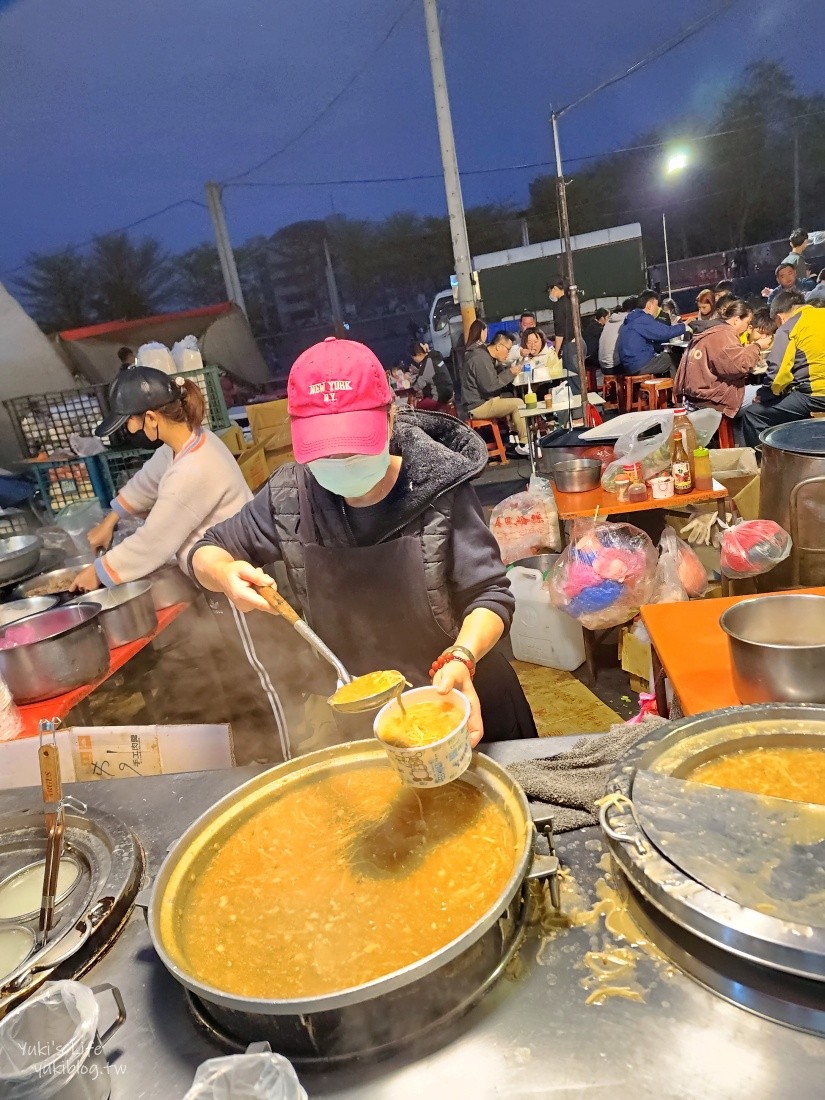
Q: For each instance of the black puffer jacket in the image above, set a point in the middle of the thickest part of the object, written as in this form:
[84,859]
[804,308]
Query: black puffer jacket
[437,505]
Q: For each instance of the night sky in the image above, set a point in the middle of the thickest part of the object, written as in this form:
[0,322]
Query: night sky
[111,111]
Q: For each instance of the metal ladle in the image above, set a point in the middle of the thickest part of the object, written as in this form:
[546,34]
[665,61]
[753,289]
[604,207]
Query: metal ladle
[355,706]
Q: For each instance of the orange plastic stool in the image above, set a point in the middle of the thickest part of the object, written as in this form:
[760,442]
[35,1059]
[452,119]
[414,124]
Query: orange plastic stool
[656,394]
[496,448]
[725,436]
[610,390]
[630,394]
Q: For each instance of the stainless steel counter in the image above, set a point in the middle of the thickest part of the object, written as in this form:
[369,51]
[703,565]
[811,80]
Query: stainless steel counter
[531,1037]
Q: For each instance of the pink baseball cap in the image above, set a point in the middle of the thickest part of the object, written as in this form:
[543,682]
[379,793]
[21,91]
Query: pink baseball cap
[338,396]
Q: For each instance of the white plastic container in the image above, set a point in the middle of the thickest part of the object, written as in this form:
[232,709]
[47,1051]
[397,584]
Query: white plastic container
[540,632]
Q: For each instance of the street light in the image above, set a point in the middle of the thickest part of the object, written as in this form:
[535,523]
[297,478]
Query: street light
[676,162]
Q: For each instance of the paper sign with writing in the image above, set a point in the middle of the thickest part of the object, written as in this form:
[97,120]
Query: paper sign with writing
[115,755]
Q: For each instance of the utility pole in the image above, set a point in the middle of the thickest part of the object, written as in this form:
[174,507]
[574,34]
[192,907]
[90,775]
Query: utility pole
[797,212]
[214,200]
[452,183]
[561,192]
[525,232]
[334,298]
[667,254]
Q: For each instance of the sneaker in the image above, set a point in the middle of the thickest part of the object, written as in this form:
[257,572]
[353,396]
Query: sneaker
[521,450]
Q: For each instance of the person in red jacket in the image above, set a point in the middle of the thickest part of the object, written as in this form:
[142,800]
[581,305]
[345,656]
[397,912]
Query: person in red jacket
[714,370]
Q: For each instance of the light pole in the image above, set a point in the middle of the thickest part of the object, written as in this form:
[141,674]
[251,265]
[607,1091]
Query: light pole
[675,163]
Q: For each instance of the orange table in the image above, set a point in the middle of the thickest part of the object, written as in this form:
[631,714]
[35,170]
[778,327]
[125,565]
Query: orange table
[59,707]
[572,505]
[692,649]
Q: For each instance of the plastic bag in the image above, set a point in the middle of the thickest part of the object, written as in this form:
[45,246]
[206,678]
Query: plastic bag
[753,547]
[156,355]
[246,1077]
[45,1041]
[187,354]
[605,574]
[524,524]
[692,574]
[86,445]
[654,452]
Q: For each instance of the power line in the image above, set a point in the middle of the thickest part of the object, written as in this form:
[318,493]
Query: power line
[119,229]
[667,48]
[330,103]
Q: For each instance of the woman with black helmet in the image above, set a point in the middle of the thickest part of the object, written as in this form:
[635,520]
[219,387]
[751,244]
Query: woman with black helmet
[191,483]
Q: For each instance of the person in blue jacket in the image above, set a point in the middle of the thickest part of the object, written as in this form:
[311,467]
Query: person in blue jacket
[641,337]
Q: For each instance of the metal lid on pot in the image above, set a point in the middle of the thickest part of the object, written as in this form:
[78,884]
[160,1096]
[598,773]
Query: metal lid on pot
[804,437]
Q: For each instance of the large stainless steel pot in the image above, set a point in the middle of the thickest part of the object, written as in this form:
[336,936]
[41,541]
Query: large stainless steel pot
[54,583]
[793,494]
[127,611]
[374,1016]
[777,646]
[170,586]
[22,609]
[18,555]
[51,653]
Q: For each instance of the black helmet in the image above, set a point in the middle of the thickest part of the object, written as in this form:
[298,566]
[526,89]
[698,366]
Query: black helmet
[135,391]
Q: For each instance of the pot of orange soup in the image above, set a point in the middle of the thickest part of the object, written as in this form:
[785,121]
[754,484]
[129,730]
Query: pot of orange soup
[333,910]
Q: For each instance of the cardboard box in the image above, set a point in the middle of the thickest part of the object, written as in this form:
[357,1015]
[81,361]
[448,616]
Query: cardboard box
[269,423]
[253,466]
[120,752]
[274,459]
[234,440]
[734,467]
[636,657]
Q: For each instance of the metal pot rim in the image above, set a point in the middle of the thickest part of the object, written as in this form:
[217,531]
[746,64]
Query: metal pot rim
[728,614]
[92,613]
[387,983]
[119,595]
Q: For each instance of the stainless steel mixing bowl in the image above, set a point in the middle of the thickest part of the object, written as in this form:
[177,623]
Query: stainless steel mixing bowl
[18,555]
[21,609]
[777,648]
[576,475]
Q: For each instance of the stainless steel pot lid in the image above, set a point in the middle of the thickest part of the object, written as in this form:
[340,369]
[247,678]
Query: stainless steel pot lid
[805,437]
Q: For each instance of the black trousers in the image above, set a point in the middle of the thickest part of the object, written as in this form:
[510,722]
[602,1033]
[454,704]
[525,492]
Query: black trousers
[793,406]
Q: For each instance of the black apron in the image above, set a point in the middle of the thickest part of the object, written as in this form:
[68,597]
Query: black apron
[370,605]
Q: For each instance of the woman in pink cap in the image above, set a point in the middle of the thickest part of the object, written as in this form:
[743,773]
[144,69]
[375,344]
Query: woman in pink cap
[383,539]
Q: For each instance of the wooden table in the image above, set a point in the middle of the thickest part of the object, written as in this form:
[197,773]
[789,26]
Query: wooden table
[691,649]
[580,505]
[59,707]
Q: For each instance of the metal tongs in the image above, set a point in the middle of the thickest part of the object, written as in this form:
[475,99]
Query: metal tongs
[53,806]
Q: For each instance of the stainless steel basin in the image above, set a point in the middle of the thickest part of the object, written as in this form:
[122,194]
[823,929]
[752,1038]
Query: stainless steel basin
[777,647]
[52,653]
[18,556]
[22,609]
[576,475]
[127,611]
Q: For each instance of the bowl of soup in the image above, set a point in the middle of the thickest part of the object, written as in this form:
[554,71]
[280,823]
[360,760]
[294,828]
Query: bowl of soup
[426,736]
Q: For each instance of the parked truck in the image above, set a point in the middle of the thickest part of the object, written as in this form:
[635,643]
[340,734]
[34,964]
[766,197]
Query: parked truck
[609,266]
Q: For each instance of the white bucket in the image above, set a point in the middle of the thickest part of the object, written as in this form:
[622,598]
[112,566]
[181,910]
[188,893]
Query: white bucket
[541,634]
[442,761]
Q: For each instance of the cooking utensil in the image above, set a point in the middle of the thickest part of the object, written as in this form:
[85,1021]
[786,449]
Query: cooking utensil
[576,475]
[777,648]
[23,609]
[51,653]
[371,701]
[127,611]
[54,583]
[18,555]
[170,585]
[52,787]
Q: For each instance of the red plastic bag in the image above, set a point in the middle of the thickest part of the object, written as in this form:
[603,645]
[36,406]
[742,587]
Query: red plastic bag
[753,547]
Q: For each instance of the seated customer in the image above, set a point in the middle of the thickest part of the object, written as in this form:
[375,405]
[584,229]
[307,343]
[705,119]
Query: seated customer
[640,335]
[708,314]
[592,334]
[795,383]
[715,368]
[609,339]
[432,383]
[485,374]
[816,297]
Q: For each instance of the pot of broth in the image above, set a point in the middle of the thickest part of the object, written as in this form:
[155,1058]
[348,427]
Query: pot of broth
[330,909]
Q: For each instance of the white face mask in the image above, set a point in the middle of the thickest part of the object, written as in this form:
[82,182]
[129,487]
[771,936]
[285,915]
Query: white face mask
[351,477]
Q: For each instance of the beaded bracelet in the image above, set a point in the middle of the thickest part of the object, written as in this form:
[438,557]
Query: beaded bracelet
[452,655]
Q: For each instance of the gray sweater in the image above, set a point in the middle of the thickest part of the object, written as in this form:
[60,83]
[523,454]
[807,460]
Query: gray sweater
[481,377]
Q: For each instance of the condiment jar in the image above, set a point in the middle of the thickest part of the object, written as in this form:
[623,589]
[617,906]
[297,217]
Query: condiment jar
[637,492]
[703,472]
[621,486]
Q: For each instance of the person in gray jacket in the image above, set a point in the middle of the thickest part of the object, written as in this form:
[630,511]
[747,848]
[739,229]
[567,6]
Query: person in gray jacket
[383,538]
[485,373]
